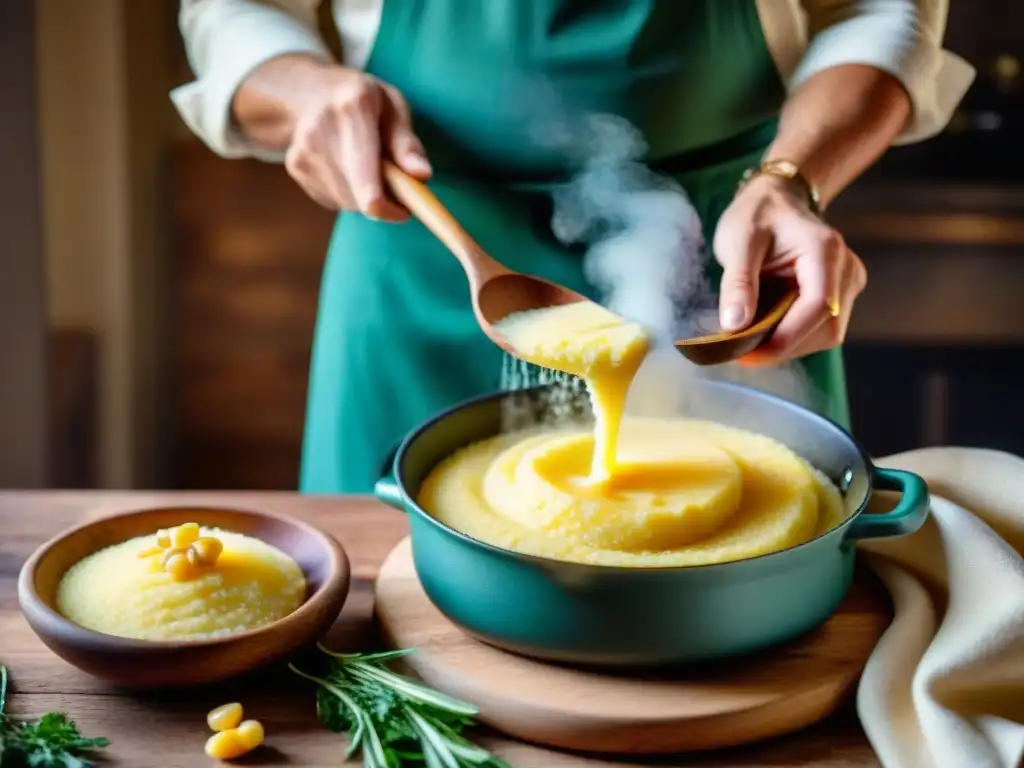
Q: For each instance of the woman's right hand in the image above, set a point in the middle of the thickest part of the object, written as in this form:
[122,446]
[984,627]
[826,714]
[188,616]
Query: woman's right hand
[344,122]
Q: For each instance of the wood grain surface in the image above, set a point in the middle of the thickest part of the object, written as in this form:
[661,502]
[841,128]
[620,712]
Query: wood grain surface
[167,730]
[249,247]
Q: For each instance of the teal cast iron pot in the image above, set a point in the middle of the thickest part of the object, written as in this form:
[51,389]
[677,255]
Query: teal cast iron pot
[628,617]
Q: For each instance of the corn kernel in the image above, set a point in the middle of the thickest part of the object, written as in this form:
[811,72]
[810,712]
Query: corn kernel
[179,567]
[150,552]
[192,557]
[184,534]
[225,745]
[170,553]
[207,550]
[224,717]
[163,538]
[250,733]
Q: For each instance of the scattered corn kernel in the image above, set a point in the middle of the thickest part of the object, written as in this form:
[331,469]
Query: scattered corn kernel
[225,745]
[179,567]
[151,551]
[233,738]
[225,717]
[184,534]
[163,538]
[250,733]
[207,550]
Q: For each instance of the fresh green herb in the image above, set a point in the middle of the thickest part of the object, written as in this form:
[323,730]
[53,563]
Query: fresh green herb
[393,720]
[53,741]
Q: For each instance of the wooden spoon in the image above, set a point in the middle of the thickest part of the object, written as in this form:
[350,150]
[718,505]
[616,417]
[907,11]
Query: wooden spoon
[713,346]
[496,290]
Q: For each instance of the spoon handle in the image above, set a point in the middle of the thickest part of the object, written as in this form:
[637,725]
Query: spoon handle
[424,205]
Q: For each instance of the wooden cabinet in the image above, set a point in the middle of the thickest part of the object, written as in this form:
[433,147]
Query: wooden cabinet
[23,418]
[248,253]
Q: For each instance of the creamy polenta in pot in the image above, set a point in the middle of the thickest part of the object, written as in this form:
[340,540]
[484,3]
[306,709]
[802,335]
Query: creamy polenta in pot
[185,583]
[632,492]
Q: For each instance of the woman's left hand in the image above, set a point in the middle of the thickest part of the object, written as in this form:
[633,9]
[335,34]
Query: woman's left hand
[770,229]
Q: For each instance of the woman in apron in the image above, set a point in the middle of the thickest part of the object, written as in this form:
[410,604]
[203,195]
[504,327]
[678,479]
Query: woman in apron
[762,110]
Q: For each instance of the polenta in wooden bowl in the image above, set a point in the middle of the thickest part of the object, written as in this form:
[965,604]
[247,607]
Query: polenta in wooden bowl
[182,596]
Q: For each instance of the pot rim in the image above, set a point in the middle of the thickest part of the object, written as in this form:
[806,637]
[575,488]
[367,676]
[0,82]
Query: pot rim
[393,470]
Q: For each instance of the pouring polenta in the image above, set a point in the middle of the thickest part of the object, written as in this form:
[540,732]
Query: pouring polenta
[586,340]
[632,492]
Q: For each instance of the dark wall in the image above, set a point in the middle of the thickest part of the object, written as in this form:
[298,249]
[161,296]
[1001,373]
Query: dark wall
[23,422]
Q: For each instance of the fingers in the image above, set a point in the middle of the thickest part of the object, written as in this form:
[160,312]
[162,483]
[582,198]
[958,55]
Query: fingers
[818,273]
[337,148]
[359,150]
[832,332]
[809,326]
[322,181]
[741,252]
[402,142]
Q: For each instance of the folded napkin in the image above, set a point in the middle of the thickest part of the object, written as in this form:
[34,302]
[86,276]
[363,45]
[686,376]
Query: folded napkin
[944,688]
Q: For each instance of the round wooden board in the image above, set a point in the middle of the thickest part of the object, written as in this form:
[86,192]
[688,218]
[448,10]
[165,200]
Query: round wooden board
[777,692]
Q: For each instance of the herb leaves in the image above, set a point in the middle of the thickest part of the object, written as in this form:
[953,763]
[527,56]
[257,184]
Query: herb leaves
[53,741]
[393,720]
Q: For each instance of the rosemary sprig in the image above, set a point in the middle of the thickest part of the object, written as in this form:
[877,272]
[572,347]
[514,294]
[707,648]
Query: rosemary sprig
[391,719]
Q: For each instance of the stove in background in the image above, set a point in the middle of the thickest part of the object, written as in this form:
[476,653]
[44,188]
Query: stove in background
[935,353]
[982,144]
[906,396]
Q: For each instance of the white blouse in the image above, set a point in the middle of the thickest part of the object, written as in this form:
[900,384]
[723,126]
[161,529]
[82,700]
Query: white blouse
[227,39]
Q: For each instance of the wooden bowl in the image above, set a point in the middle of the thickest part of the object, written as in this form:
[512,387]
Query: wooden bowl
[710,345]
[157,664]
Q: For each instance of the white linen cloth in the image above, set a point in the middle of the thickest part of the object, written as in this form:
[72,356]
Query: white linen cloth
[944,688]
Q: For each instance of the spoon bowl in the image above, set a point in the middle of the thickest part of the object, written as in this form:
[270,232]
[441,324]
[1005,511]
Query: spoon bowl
[506,294]
[496,291]
[710,345]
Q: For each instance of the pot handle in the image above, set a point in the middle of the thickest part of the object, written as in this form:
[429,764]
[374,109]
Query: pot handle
[907,517]
[387,488]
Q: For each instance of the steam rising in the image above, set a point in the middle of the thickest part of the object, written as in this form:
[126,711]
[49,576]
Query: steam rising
[645,253]
[643,234]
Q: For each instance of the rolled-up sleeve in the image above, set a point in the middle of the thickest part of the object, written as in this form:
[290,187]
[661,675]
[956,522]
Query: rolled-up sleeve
[901,37]
[225,40]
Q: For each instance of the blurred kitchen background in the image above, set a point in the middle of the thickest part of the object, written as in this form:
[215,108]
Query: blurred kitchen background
[157,303]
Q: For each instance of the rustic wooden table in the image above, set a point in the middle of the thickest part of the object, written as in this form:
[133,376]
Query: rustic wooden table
[167,730]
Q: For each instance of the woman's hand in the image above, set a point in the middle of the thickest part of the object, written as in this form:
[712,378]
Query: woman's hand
[344,122]
[769,229]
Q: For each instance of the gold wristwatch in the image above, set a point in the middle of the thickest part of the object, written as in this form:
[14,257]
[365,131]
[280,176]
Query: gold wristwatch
[787,171]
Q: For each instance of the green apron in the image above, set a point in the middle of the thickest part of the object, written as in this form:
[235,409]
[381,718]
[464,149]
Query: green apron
[396,340]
